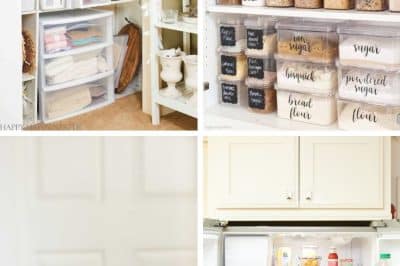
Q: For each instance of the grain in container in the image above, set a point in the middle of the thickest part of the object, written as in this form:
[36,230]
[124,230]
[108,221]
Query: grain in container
[309,108]
[232,66]
[339,4]
[261,99]
[371,5]
[261,71]
[261,36]
[229,2]
[394,5]
[369,44]
[377,86]
[308,3]
[232,93]
[306,77]
[232,34]
[362,116]
[253,2]
[280,3]
[314,40]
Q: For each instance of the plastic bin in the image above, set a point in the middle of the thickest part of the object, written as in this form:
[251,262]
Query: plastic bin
[280,3]
[362,116]
[339,4]
[363,43]
[253,2]
[261,72]
[232,93]
[306,77]
[394,5]
[89,3]
[261,36]
[314,40]
[261,99]
[232,66]
[308,3]
[28,5]
[232,35]
[371,5]
[229,2]
[52,4]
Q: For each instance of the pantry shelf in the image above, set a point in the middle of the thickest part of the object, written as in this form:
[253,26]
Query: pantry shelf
[180,104]
[383,16]
[179,26]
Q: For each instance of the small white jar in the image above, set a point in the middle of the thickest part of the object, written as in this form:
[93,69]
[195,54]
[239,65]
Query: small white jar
[253,2]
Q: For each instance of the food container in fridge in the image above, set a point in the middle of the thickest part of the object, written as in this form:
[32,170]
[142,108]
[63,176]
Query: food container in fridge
[308,3]
[52,4]
[261,99]
[253,2]
[229,2]
[261,36]
[339,4]
[28,5]
[362,116]
[232,66]
[314,40]
[376,86]
[394,5]
[316,261]
[371,5]
[232,34]
[232,93]
[364,43]
[309,108]
[261,71]
[280,3]
[307,77]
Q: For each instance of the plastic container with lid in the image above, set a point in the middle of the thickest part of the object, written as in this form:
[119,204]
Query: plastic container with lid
[315,261]
[261,71]
[362,116]
[371,5]
[253,2]
[229,2]
[308,3]
[261,99]
[394,5]
[339,4]
[314,40]
[280,3]
[309,108]
[384,259]
[232,34]
[306,77]
[261,36]
[232,93]
[377,86]
[232,66]
[363,44]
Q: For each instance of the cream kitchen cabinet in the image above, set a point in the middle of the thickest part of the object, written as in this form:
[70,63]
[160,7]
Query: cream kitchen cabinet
[298,178]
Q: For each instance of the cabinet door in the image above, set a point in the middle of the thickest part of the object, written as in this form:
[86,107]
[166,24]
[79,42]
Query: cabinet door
[343,172]
[253,172]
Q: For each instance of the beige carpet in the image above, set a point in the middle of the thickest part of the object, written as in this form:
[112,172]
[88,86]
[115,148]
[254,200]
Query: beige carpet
[124,114]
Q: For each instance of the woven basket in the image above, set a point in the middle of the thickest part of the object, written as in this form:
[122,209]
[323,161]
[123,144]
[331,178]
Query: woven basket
[29,53]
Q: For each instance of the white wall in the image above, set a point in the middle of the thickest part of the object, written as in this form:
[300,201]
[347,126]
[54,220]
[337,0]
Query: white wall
[396,171]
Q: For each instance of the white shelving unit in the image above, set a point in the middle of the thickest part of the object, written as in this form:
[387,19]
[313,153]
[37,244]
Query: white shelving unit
[223,117]
[180,104]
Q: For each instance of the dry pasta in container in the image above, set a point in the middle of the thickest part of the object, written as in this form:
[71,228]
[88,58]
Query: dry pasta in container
[232,34]
[229,2]
[308,3]
[378,86]
[280,3]
[309,108]
[363,116]
[307,77]
[232,66]
[261,71]
[253,2]
[369,44]
[261,100]
[371,5]
[339,4]
[261,36]
[394,5]
[314,40]
[232,93]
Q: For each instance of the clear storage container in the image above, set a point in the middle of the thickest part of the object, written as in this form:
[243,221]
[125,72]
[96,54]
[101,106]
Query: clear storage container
[89,3]
[261,100]
[314,40]
[232,66]
[394,5]
[261,36]
[369,85]
[363,43]
[306,77]
[232,34]
[371,5]
[362,116]
[253,2]
[339,4]
[229,2]
[280,3]
[52,4]
[232,93]
[310,261]
[308,3]
[28,5]
[261,72]
[309,108]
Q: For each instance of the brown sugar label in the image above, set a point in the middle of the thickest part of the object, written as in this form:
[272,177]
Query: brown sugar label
[300,107]
[366,84]
[300,44]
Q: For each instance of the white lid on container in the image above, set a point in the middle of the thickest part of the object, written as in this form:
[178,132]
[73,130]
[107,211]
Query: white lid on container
[222,51]
[299,59]
[315,25]
[221,79]
[315,94]
[228,20]
[261,22]
[382,29]
[374,67]
[373,107]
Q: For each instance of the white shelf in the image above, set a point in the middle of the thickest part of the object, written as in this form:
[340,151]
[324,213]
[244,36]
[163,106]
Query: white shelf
[307,13]
[179,26]
[27,77]
[81,50]
[179,104]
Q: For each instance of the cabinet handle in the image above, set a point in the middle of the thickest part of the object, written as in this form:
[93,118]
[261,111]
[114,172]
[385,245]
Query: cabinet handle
[309,196]
[289,196]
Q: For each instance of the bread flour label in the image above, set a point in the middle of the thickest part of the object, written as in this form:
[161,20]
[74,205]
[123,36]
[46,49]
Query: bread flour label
[255,67]
[300,44]
[300,107]
[360,114]
[228,36]
[255,39]
[256,98]
[229,93]
[228,65]
[366,49]
[366,84]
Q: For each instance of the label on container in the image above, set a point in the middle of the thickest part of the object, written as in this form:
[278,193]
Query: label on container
[299,76]
[255,39]
[362,115]
[300,107]
[256,98]
[229,93]
[366,84]
[333,262]
[228,36]
[255,68]
[300,45]
[366,49]
[228,65]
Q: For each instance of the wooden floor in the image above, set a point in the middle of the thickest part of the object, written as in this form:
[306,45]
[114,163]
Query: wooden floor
[124,114]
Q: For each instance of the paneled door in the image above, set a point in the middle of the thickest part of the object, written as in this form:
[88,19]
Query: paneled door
[115,201]
[344,172]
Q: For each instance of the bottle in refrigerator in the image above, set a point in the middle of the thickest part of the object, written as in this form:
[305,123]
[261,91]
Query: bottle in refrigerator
[385,259]
[333,259]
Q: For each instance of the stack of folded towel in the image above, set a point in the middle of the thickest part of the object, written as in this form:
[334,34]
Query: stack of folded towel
[55,39]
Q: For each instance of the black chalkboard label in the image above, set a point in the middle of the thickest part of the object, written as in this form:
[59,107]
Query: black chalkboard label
[256,98]
[255,39]
[228,36]
[228,65]
[229,93]
[255,67]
